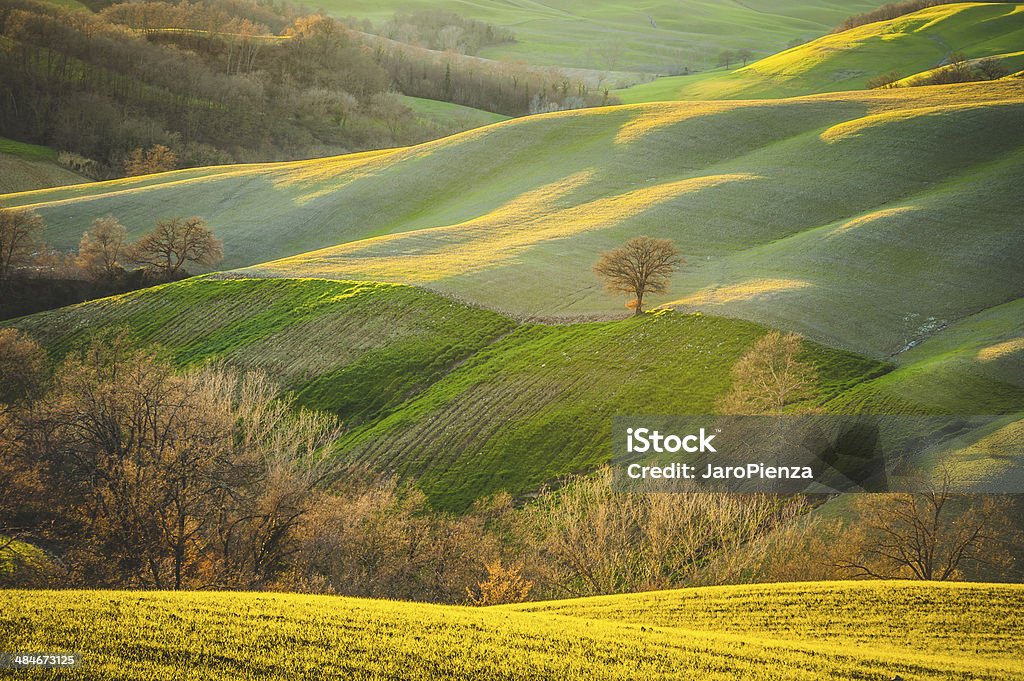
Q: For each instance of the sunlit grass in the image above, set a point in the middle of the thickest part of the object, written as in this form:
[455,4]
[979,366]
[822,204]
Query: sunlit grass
[912,45]
[799,631]
[491,240]
[746,290]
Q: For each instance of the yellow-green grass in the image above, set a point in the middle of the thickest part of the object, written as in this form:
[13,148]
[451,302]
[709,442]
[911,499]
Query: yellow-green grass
[840,216]
[619,35]
[834,630]
[28,166]
[910,44]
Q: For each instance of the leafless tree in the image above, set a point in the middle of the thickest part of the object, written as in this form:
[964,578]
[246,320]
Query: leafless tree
[642,265]
[175,243]
[769,376]
[102,248]
[19,240]
[933,535]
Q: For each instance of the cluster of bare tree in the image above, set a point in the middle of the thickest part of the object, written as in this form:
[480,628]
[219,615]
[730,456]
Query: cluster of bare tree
[142,477]
[106,261]
[958,70]
[727,58]
[512,89]
[128,473]
[104,251]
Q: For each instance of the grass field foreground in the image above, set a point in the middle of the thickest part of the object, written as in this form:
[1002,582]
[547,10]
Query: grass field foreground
[860,630]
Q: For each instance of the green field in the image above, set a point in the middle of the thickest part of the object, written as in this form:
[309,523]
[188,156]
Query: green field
[467,402]
[654,36]
[29,166]
[910,44]
[365,347]
[462,400]
[448,115]
[840,216]
[852,630]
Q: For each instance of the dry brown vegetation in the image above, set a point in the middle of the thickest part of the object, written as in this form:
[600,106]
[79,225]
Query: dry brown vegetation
[770,376]
[131,474]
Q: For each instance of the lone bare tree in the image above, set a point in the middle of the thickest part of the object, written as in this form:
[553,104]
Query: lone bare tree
[175,243]
[19,240]
[102,248]
[642,265]
[769,376]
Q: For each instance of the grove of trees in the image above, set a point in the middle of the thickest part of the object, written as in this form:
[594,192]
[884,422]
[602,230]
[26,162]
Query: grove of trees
[33,277]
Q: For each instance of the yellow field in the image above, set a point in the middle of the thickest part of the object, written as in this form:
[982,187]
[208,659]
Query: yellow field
[834,630]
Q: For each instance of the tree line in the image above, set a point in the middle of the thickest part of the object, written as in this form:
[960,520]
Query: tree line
[34,277]
[228,80]
[128,473]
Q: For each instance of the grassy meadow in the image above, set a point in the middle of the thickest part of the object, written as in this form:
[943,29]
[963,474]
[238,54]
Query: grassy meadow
[878,630]
[912,44]
[465,401]
[468,402]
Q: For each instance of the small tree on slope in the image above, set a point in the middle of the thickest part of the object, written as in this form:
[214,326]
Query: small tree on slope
[642,265]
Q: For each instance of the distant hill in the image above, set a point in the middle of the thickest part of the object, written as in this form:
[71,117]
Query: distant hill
[835,630]
[909,44]
[622,36]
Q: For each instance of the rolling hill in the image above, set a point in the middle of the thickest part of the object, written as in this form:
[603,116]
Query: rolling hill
[462,400]
[467,402]
[841,216]
[911,44]
[623,36]
[851,630]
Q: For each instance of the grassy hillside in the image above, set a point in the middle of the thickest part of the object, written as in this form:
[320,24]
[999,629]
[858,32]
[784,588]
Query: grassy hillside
[910,44]
[878,630]
[617,35]
[461,400]
[355,348]
[538,404]
[849,217]
[24,167]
